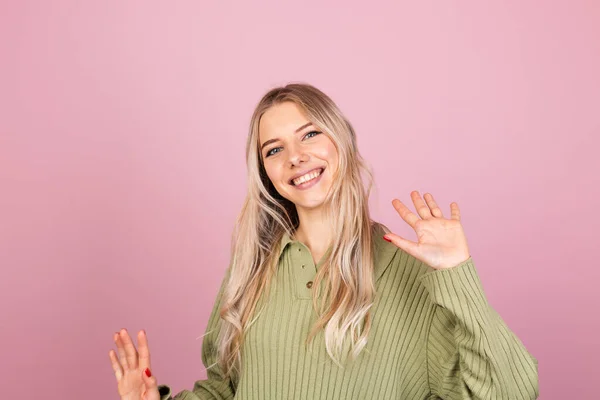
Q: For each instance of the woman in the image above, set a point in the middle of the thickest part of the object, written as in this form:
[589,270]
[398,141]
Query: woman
[320,302]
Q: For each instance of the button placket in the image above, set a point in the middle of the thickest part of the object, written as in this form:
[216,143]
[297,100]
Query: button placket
[305,271]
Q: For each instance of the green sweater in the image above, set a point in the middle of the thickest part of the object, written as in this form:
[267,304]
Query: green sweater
[434,335]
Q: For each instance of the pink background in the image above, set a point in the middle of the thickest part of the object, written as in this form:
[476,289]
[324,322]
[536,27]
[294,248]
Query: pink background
[122,133]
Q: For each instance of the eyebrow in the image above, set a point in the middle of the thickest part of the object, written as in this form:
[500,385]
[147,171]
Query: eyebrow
[268,142]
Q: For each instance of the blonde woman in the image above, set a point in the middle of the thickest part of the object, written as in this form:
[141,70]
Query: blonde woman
[321,302]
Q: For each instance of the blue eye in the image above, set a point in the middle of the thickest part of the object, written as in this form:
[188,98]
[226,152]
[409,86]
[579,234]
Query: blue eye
[315,132]
[272,151]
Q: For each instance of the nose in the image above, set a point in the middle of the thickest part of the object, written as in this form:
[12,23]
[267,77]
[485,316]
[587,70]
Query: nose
[296,155]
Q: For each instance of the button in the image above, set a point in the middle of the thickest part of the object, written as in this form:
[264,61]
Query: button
[299,249]
[309,284]
[302,266]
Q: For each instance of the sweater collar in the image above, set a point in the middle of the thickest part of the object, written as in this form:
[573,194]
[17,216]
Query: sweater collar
[383,251]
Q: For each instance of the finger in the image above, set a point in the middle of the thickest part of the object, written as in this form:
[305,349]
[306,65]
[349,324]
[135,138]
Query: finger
[151,385]
[143,349]
[116,366]
[422,208]
[132,355]
[455,211]
[406,245]
[407,215]
[435,209]
[121,351]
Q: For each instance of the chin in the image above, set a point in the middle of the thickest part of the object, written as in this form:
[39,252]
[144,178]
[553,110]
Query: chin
[311,205]
[308,201]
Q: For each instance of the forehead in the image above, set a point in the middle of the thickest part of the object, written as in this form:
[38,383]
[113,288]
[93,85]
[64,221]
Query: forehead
[281,119]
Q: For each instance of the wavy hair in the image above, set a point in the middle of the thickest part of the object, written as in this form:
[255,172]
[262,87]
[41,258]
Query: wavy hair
[345,282]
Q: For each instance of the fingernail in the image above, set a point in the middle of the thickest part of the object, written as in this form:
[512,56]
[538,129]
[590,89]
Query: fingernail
[147,371]
[387,238]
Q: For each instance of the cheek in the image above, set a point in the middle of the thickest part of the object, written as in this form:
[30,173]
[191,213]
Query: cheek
[331,155]
[274,175]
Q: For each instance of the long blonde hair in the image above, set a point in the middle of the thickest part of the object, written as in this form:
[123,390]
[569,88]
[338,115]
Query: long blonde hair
[346,275]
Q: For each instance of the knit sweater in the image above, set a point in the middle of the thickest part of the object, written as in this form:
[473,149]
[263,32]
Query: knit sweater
[433,336]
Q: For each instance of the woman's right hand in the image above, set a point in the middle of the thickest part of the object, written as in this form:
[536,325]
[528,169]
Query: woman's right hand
[131,368]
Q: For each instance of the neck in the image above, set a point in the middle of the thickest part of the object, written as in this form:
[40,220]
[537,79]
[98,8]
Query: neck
[314,230]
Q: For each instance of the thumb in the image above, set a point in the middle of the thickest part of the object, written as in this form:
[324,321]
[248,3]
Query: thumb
[151,392]
[406,245]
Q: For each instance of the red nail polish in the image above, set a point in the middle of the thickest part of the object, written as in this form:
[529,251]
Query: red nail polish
[148,374]
[388,239]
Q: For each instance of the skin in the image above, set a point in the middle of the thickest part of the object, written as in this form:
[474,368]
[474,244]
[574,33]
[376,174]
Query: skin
[130,365]
[293,153]
[441,241]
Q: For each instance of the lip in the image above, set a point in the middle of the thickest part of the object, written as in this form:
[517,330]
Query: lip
[298,175]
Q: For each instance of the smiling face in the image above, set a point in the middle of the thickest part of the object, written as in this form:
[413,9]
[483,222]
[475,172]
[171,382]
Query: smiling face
[300,160]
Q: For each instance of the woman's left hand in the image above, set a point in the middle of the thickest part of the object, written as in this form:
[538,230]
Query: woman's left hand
[442,242]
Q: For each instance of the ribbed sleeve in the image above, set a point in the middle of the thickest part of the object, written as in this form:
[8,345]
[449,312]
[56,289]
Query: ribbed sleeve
[215,387]
[471,353]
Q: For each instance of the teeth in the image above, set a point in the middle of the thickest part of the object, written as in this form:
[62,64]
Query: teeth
[307,177]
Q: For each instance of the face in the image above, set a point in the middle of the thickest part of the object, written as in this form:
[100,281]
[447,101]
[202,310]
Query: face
[300,160]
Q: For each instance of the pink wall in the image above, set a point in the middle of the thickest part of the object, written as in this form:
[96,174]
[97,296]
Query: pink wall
[122,133]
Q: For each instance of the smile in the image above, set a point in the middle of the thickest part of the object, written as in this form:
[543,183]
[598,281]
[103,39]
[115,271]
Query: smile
[308,179]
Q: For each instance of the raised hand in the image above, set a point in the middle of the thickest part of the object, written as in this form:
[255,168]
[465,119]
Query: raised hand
[441,242]
[132,370]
